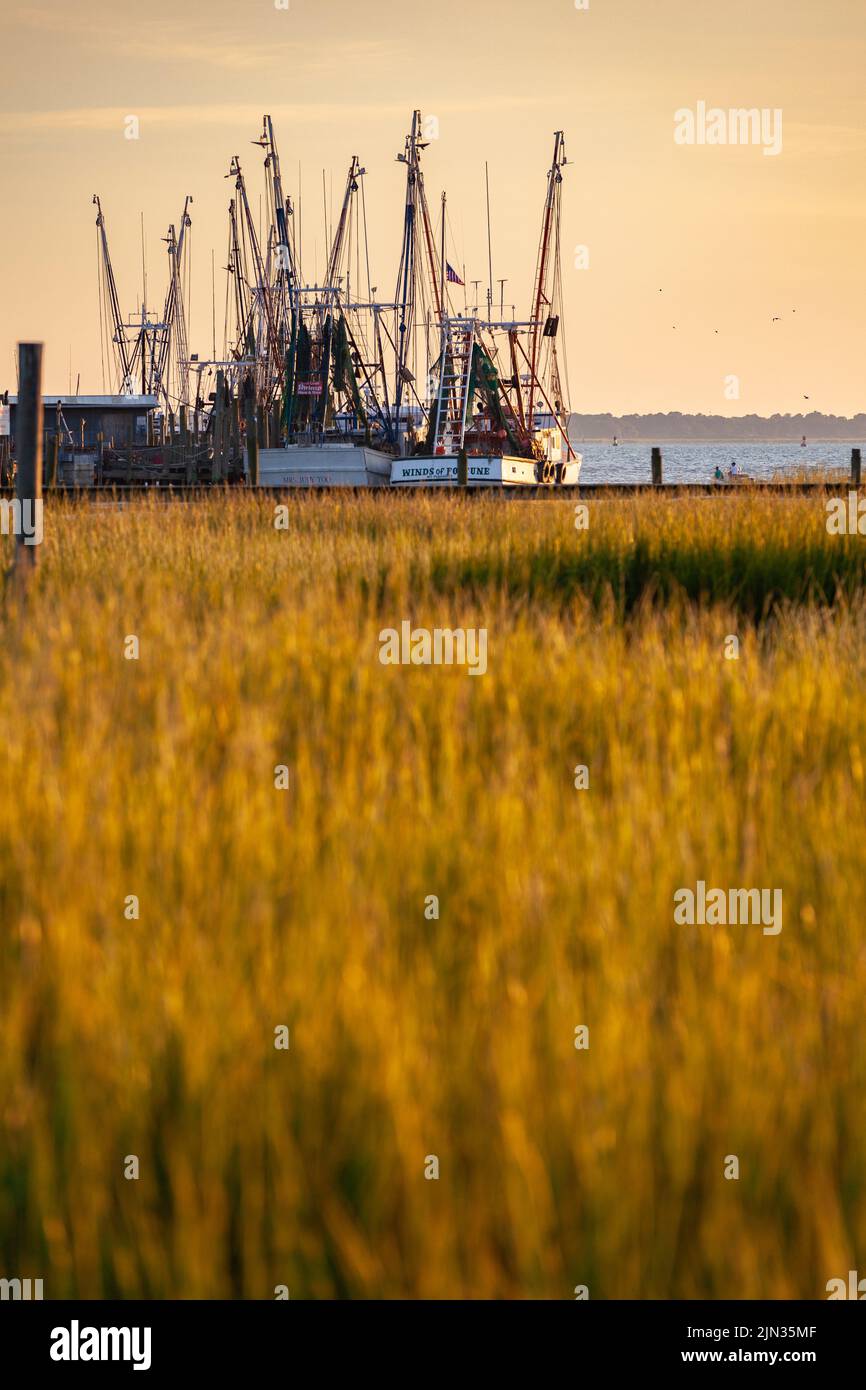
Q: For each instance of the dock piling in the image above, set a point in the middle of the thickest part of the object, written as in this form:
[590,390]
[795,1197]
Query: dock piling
[855,467]
[53,459]
[252,439]
[234,428]
[656,467]
[29,434]
[5,449]
[219,427]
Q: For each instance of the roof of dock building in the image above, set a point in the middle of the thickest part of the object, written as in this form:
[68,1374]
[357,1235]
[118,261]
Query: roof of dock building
[97,402]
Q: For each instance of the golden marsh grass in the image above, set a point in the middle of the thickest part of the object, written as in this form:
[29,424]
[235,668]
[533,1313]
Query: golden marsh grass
[410,1037]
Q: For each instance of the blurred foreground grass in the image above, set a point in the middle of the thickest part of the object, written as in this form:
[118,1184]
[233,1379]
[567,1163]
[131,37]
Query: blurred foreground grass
[412,1037]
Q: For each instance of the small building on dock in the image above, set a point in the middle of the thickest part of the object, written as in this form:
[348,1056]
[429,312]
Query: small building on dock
[84,427]
[85,422]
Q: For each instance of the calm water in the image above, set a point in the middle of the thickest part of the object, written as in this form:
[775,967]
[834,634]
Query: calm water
[694,463]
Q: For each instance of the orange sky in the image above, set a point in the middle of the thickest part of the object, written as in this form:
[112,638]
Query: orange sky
[731,237]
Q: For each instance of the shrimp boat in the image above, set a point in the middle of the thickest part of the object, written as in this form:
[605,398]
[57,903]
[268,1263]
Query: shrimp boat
[493,396]
[313,352]
[329,385]
[496,413]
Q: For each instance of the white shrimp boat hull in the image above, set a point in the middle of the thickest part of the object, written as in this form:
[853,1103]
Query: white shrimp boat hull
[322,465]
[493,470]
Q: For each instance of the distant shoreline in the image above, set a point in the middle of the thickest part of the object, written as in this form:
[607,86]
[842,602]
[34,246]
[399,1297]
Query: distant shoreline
[675,428]
[853,439]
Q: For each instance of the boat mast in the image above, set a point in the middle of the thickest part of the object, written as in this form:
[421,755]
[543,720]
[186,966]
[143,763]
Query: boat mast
[267,325]
[406,293]
[182,353]
[540,296]
[119,337]
[287,275]
[236,268]
[174,319]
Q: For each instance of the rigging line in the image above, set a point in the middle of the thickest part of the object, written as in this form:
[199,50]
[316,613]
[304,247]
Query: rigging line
[325,211]
[357,247]
[300,240]
[567,402]
[450,236]
[99,304]
[101,308]
[186,307]
[409,384]
[366,242]
[229,277]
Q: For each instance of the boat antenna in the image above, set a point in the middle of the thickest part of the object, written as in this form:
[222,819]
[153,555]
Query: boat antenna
[442,259]
[143,312]
[366,240]
[143,270]
[489,248]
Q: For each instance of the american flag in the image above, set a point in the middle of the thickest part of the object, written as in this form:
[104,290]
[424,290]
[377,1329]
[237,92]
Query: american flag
[451,275]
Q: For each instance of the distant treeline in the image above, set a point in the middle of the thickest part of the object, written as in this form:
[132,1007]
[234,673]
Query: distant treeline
[742,428]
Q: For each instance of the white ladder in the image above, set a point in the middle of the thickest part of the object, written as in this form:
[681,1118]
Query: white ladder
[455,371]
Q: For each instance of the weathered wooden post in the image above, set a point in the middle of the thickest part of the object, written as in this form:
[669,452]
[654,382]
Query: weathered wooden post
[235,427]
[5,441]
[219,430]
[4,436]
[54,450]
[855,467]
[184,440]
[29,431]
[462,467]
[657,466]
[53,459]
[252,439]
